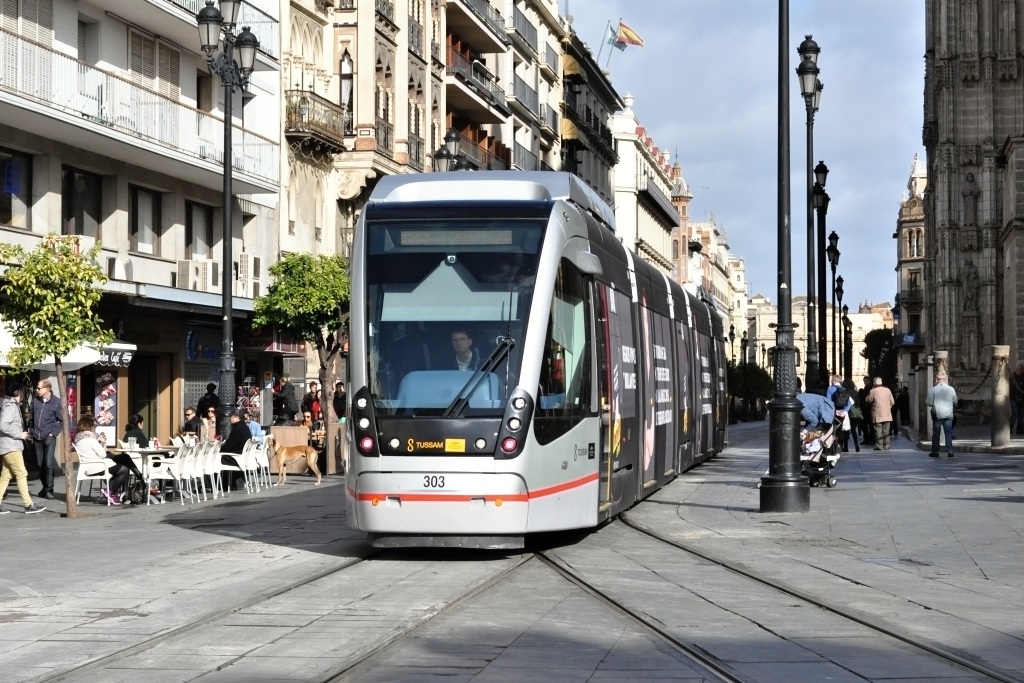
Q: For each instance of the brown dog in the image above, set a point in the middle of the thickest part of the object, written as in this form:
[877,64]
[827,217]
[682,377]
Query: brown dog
[286,455]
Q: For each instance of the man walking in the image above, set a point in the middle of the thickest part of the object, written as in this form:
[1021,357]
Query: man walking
[942,400]
[46,426]
[12,441]
[881,401]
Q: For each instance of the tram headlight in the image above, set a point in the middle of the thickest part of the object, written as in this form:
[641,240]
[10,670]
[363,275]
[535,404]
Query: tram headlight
[360,403]
[509,444]
[394,443]
[366,444]
[514,423]
[364,423]
[481,444]
[519,403]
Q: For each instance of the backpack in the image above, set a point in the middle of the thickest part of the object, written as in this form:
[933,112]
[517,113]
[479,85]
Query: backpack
[137,492]
[840,397]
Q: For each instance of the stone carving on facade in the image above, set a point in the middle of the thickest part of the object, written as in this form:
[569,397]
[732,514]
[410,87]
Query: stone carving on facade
[970,71]
[351,183]
[969,155]
[971,347]
[971,285]
[1006,70]
[970,194]
[969,239]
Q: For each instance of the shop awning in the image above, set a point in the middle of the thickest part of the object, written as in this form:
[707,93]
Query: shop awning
[116,354]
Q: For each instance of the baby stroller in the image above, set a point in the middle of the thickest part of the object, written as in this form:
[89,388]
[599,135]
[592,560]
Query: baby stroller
[819,453]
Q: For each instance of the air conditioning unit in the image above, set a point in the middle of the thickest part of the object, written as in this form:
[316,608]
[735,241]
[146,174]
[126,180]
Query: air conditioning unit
[247,275]
[200,275]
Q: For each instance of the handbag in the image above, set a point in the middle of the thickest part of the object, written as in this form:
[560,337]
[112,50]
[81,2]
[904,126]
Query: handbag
[855,413]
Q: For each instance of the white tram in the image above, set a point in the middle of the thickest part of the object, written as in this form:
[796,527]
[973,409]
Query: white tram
[594,379]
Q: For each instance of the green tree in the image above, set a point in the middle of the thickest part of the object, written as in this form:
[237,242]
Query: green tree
[878,352]
[750,382]
[50,303]
[309,298]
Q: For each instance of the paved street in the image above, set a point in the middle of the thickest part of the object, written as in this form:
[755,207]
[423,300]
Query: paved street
[901,531]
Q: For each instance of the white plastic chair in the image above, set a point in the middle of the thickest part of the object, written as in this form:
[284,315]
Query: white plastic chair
[161,468]
[190,473]
[176,441]
[90,468]
[243,463]
[208,460]
[261,454]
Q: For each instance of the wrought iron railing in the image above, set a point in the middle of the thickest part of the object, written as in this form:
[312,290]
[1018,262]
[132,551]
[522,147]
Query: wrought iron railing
[386,9]
[416,148]
[521,25]
[263,26]
[307,111]
[525,94]
[385,137]
[487,14]
[415,37]
[458,64]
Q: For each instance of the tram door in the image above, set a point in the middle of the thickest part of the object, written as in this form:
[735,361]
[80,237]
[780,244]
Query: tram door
[685,405]
[658,398]
[617,386]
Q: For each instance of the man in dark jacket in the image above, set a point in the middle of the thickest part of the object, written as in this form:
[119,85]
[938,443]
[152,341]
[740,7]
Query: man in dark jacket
[289,406]
[46,426]
[339,399]
[234,444]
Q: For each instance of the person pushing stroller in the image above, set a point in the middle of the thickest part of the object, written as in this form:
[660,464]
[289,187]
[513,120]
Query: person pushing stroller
[818,439]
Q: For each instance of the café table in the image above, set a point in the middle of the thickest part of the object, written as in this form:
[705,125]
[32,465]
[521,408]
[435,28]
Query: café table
[142,458]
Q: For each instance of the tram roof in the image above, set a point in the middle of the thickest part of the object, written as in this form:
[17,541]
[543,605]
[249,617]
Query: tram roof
[505,186]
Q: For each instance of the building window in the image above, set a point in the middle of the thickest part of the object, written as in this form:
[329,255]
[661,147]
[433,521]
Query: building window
[145,217]
[80,199]
[198,231]
[16,190]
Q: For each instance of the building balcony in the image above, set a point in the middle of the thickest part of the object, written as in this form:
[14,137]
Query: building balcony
[473,90]
[480,158]
[522,32]
[417,147]
[548,63]
[176,20]
[912,296]
[524,99]
[60,98]
[478,24]
[524,159]
[548,121]
[416,38]
[386,138]
[312,124]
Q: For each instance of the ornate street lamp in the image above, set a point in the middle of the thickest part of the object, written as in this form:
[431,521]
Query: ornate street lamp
[837,347]
[810,88]
[746,391]
[783,488]
[832,254]
[821,200]
[732,342]
[448,157]
[233,65]
[847,344]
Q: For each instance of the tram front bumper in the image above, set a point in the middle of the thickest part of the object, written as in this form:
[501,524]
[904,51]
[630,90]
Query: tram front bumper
[451,503]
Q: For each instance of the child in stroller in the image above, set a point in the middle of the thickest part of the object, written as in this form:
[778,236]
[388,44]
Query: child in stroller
[819,440]
[819,452]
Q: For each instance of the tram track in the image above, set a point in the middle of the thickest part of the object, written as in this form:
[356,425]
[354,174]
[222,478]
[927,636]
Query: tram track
[861,619]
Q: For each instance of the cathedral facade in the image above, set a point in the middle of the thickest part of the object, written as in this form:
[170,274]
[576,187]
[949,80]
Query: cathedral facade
[974,202]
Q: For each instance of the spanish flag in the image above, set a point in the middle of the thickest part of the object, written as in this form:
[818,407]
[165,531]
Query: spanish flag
[627,36]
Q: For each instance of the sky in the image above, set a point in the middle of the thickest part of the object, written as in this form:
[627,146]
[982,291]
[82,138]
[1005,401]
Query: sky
[705,86]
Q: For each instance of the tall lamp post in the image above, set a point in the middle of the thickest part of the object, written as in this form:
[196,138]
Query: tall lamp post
[810,88]
[782,488]
[847,344]
[821,200]
[837,346]
[732,342]
[233,71]
[746,391]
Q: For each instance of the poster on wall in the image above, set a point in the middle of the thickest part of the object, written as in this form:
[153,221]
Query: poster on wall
[105,407]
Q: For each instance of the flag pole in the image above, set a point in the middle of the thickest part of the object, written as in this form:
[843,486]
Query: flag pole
[611,49]
[604,41]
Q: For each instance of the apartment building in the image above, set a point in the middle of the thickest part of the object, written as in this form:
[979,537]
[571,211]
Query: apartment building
[111,127]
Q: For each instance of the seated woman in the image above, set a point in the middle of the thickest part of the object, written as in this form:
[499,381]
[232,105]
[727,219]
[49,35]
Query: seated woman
[87,443]
[133,430]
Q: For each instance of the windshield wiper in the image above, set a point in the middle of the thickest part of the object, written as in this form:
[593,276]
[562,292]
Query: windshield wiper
[462,398]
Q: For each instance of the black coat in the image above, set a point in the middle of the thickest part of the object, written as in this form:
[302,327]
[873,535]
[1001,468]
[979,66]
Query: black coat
[237,438]
[288,403]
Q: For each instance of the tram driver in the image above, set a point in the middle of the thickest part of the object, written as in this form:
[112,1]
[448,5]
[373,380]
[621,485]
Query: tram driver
[467,357]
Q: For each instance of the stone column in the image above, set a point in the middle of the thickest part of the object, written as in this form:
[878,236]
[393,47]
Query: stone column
[1000,396]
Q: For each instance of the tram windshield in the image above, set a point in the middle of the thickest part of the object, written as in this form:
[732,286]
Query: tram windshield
[446,301]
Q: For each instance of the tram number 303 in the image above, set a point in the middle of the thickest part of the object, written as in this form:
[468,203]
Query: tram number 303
[433,482]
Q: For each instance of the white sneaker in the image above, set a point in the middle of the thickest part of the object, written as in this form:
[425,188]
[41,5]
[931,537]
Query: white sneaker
[5,512]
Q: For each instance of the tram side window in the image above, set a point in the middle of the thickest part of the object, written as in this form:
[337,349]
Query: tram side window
[565,382]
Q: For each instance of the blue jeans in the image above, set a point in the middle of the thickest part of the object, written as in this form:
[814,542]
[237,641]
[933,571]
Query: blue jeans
[946,425]
[47,462]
